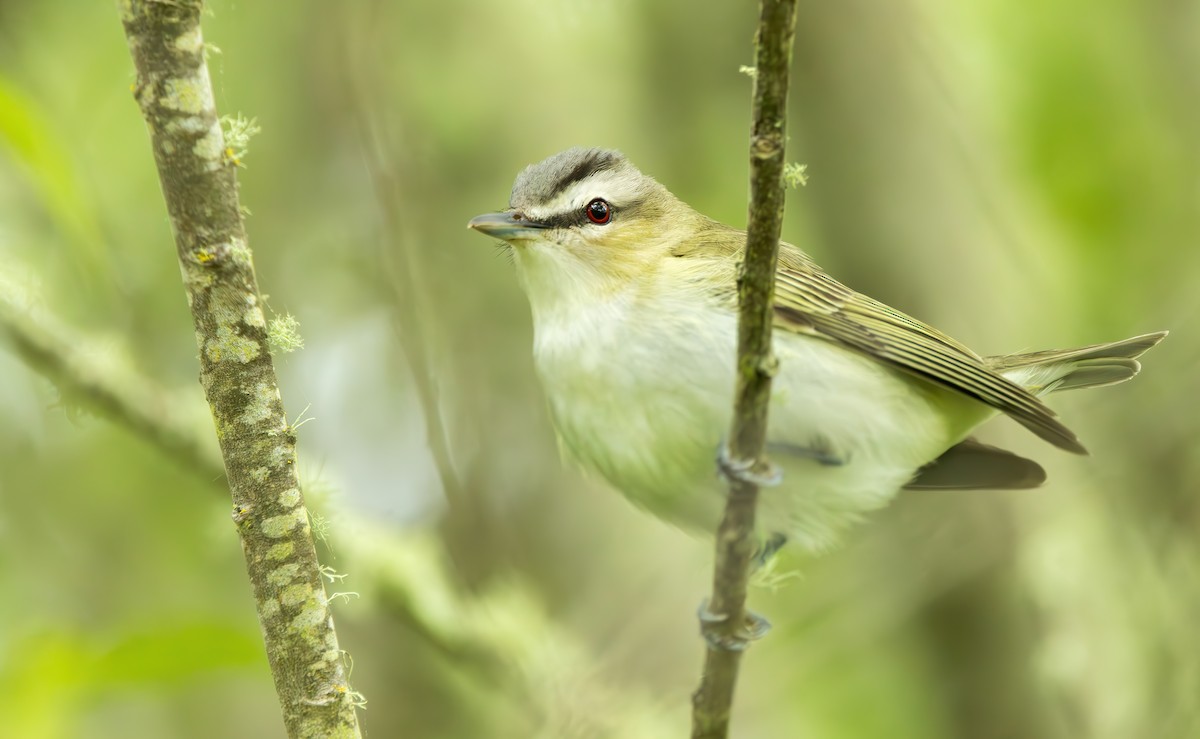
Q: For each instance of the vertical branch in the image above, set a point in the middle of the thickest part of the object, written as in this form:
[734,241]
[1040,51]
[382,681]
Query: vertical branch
[199,185]
[756,363]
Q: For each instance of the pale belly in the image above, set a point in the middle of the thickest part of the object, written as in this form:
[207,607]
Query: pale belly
[646,409]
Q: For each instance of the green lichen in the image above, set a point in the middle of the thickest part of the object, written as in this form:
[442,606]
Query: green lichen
[239,251]
[313,614]
[283,335]
[294,595]
[282,550]
[268,608]
[332,574]
[191,95]
[794,174]
[253,315]
[277,527]
[190,40]
[238,131]
[283,574]
[319,526]
[228,345]
[290,497]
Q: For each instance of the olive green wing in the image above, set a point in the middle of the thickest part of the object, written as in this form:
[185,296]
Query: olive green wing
[810,302]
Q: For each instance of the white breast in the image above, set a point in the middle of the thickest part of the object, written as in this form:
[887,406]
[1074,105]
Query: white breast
[641,393]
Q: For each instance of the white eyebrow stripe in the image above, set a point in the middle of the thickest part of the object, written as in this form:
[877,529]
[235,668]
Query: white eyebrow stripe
[615,187]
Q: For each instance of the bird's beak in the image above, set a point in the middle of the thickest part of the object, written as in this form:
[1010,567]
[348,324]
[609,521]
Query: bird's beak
[506,226]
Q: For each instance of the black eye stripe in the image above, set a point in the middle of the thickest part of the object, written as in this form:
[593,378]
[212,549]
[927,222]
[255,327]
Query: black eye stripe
[577,216]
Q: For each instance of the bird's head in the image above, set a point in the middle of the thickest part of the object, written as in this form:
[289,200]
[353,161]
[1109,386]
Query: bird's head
[586,221]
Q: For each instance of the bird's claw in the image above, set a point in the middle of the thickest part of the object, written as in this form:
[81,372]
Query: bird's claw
[767,549]
[764,475]
[819,451]
[753,628]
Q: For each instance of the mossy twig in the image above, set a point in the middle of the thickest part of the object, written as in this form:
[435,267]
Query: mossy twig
[713,701]
[197,170]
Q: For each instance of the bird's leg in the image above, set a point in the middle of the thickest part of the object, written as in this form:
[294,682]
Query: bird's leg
[753,628]
[767,550]
[820,451]
[744,470]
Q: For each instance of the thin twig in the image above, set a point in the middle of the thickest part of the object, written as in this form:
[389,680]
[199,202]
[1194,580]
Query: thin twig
[198,176]
[70,361]
[713,701]
[404,281]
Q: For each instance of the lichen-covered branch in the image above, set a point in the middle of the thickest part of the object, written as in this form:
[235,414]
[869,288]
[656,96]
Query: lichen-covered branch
[713,701]
[199,184]
[503,638]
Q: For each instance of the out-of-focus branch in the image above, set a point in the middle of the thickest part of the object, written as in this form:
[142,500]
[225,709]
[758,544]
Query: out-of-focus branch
[726,618]
[72,363]
[199,182]
[501,637]
[404,281]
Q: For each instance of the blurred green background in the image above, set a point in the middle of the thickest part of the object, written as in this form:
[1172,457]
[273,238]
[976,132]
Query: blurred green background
[1023,175]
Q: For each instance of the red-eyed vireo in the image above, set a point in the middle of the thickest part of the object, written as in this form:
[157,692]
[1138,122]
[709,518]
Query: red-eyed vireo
[634,315]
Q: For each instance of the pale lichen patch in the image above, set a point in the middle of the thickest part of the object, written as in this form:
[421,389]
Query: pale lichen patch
[268,608]
[239,251]
[254,314]
[277,527]
[260,404]
[188,94]
[259,474]
[190,40]
[289,498]
[283,574]
[281,455]
[187,125]
[209,147]
[230,345]
[294,595]
[311,616]
[254,317]
[282,550]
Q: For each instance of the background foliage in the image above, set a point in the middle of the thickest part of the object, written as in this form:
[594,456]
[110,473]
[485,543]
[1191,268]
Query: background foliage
[1023,175]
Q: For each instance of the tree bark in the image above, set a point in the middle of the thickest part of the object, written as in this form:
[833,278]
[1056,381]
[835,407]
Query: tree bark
[258,446]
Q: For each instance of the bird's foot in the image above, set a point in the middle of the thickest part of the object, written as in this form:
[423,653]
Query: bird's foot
[820,451]
[712,628]
[767,551]
[764,475]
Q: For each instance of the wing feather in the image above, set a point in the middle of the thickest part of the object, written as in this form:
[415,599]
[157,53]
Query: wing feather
[809,301]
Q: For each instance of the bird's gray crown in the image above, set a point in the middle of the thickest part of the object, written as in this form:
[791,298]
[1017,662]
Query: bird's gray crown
[542,182]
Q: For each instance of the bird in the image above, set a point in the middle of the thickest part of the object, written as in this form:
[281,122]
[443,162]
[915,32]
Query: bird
[633,299]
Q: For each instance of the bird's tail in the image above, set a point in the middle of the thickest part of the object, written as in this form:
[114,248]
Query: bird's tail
[1068,369]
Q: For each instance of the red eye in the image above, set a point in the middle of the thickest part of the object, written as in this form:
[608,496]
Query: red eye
[598,211]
